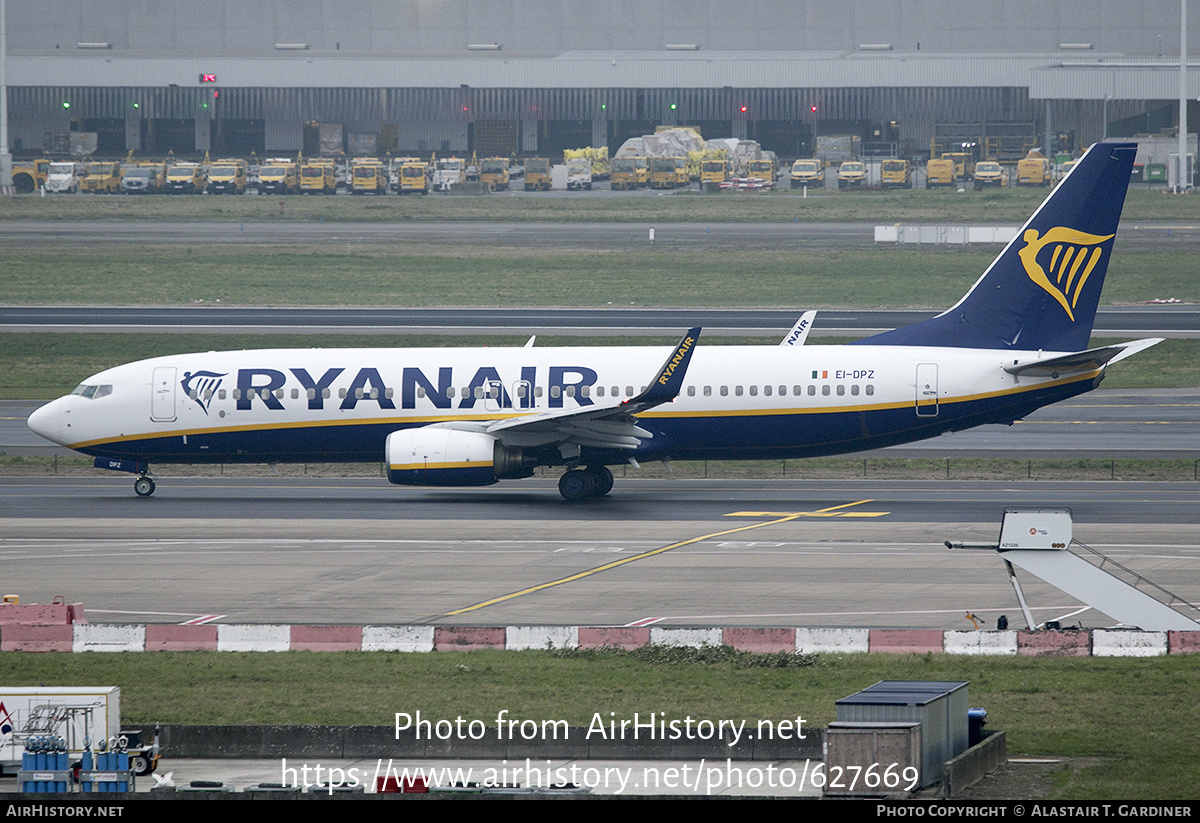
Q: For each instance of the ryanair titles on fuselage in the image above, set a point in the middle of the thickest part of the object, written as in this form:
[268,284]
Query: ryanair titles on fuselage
[347,388]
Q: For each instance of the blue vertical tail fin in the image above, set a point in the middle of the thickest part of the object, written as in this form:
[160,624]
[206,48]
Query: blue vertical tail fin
[1043,289]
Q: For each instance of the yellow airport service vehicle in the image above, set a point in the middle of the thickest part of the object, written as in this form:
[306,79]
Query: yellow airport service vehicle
[1034,170]
[668,172]
[852,174]
[102,177]
[807,173]
[643,171]
[227,176]
[494,172]
[895,174]
[964,164]
[763,170]
[318,176]
[989,175]
[715,172]
[537,174]
[278,176]
[367,176]
[29,176]
[625,173]
[415,176]
[940,173]
[186,178]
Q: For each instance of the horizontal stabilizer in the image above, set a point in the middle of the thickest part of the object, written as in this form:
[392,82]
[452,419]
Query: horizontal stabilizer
[1083,361]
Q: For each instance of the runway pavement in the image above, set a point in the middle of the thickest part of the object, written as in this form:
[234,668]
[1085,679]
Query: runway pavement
[674,552]
[1172,320]
[1159,235]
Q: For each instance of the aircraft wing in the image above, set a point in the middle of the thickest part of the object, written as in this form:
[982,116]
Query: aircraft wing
[1083,361]
[610,426]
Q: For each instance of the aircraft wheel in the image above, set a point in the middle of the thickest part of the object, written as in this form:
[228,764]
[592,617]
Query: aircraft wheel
[602,479]
[143,486]
[576,485]
[140,764]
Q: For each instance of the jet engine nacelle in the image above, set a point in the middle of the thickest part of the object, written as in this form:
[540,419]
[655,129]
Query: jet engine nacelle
[436,456]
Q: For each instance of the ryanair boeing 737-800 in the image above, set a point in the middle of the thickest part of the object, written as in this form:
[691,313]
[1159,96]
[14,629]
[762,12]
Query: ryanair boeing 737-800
[473,416]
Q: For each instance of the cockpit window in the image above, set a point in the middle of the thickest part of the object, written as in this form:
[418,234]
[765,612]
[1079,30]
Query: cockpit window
[92,392]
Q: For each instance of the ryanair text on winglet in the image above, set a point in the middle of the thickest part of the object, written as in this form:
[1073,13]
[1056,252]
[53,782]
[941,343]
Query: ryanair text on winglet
[665,377]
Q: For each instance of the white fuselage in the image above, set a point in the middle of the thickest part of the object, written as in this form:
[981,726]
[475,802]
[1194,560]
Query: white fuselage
[277,405]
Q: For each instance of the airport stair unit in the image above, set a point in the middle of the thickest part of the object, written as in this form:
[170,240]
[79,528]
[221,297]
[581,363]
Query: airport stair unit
[1041,543]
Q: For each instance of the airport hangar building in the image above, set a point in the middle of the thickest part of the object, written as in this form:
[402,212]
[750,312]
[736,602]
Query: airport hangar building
[536,76]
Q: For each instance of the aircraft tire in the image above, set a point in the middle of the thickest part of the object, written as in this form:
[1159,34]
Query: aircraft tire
[602,479]
[576,485]
[140,765]
[143,487]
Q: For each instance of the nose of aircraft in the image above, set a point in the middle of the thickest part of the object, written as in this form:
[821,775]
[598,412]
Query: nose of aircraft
[47,421]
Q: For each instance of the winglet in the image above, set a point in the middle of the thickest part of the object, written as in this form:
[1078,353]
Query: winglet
[799,332]
[669,380]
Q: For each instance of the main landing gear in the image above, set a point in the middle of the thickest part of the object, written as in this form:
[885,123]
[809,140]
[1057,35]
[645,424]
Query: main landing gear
[144,485]
[580,484]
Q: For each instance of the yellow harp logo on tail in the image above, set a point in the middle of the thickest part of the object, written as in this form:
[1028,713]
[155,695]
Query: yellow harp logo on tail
[1072,256]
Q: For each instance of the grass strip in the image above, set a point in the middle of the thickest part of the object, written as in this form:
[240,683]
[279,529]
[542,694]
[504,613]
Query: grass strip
[415,274]
[821,205]
[1128,722]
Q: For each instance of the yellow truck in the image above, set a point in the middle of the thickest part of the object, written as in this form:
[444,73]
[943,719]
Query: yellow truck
[939,173]
[416,176]
[494,172]
[537,174]
[367,176]
[625,173]
[102,177]
[185,178]
[964,164]
[763,169]
[1034,170]
[318,176]
[807,173]
[989,175]
[227,176]
[668,172]
[852,174]
[278,176]
[895,174]
[715,172]
[30,175]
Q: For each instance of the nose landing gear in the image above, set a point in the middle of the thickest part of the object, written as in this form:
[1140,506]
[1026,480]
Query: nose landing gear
[144,485]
